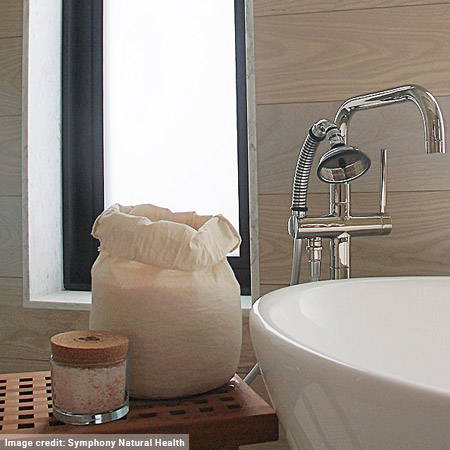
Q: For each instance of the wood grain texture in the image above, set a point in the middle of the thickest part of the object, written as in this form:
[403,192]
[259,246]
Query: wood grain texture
[10,237]
[276,7]
[418,245]
[248,359]
[266,288]
[282,129]
[275,251]
[334,55]
[10,292]
[10,156]
[232,414]
[25,332]
[10,18]
[13,365]
[10,76]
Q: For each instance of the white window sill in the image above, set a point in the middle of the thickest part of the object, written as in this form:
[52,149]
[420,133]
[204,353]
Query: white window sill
[81,301]
[73,300]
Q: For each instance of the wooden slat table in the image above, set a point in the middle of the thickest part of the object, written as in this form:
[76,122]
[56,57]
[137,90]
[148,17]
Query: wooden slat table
[221,419]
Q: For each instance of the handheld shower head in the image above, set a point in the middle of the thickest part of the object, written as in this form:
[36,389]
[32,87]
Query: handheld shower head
[342,164]
[338,165]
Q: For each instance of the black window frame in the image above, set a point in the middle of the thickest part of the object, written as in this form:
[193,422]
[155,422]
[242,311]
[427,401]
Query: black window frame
[82,140]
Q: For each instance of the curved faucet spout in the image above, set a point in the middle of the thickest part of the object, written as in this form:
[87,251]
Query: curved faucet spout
[429,109]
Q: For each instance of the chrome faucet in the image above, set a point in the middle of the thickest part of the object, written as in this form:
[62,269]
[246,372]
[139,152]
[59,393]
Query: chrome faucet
[338,167]
[429,109]
[341,165]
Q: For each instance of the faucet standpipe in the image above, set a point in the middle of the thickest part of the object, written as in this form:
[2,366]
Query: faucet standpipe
[383,181]
[314,249]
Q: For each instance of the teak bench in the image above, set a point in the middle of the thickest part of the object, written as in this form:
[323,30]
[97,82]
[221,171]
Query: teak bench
[221,419]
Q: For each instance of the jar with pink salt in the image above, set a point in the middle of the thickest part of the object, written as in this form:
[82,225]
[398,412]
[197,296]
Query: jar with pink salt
[89,376]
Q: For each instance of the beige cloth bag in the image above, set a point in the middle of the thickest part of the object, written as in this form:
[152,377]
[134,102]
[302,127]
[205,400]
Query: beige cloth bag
[163,280]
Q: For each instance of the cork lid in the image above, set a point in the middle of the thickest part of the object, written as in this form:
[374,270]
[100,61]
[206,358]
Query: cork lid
[88,347]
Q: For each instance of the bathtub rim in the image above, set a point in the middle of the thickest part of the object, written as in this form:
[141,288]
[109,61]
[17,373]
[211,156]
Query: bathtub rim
[256,315]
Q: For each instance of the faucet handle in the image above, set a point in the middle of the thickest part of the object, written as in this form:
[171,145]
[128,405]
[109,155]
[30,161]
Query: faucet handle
[383,180]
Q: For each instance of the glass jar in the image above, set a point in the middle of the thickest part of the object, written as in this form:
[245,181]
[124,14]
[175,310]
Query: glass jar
[89,377]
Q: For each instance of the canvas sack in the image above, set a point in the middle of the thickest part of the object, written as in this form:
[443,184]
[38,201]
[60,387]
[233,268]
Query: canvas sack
[163,280]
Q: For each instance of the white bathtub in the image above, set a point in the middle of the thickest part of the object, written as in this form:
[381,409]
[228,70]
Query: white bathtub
[358,364]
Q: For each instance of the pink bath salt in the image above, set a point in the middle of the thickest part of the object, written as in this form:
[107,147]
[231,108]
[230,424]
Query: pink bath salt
[89,390]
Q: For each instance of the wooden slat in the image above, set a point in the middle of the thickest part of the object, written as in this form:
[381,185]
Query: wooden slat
[418,245]
[282,129]
[10,237]
[274,7]
[10,76]
[333,56]
[10,156]
[10,18]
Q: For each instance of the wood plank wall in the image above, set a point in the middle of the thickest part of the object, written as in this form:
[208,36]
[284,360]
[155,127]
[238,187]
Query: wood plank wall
[310,56]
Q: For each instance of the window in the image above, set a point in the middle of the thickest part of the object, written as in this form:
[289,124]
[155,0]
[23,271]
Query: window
[93,142]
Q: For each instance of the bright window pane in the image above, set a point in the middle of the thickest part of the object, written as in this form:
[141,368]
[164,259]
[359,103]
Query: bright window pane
[170,105]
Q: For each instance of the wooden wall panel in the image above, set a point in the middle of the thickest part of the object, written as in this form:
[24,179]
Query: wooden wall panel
[25,332]
[277,7]
[248,359]
[10,18]
[10,156]
[11,291]
[10,76]
[282,129]
[10,237]
[266,288]
[334,55]
[13,365]
[275,244]
[311,56]
[418,245]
